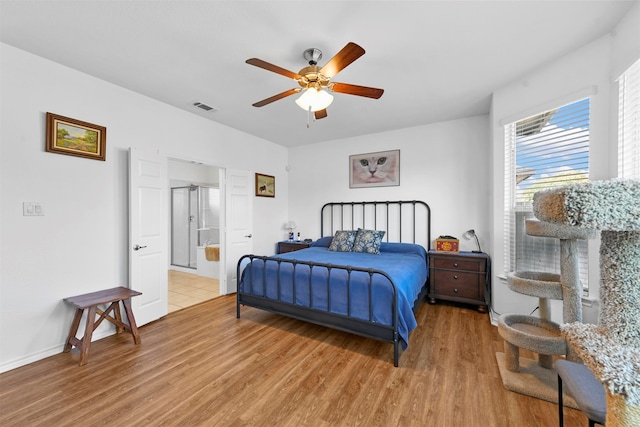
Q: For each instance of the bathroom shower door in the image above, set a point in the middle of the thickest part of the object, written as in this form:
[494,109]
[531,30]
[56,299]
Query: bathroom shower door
[184,226]
[195,222]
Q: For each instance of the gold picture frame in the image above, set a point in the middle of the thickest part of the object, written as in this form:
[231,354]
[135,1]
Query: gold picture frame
[265,185]
[75,137]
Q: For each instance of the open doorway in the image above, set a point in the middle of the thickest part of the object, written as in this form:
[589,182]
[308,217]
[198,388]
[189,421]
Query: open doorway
[194,235]
[187,289]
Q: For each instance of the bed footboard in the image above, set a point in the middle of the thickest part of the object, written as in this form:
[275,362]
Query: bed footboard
[259,290]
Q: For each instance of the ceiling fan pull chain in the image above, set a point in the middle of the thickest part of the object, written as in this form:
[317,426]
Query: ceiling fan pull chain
[309,117]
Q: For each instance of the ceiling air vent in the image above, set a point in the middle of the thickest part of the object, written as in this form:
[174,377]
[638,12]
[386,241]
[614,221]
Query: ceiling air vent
[205,107]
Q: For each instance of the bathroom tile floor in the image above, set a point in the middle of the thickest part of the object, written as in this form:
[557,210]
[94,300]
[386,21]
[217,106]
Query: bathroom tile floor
[186,289]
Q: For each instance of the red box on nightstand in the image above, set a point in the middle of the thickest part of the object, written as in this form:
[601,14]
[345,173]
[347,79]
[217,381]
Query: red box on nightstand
[447,245]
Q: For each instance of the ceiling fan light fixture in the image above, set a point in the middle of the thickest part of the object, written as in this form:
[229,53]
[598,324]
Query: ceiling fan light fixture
[315,80]
[314,99]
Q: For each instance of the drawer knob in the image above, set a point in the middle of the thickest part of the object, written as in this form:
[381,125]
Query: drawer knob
[455,290]
[455,264]
[455,277]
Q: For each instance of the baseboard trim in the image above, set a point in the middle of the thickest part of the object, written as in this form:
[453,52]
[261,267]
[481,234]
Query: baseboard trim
[48,352]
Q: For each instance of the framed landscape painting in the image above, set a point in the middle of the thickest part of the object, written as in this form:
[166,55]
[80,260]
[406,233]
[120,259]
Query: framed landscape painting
[75,137]
[380,169]
[265,185]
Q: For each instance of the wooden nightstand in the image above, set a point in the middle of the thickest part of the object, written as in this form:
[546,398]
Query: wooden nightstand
[460,277]
[291,245]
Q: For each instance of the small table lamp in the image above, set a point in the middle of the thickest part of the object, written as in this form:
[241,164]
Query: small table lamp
[468,234]
[290,225]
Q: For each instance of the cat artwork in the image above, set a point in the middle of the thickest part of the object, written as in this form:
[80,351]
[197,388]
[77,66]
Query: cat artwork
[375,169]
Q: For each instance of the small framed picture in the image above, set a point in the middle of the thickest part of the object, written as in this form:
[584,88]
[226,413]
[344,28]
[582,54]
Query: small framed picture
[265,185]
[381,169]
[75,137]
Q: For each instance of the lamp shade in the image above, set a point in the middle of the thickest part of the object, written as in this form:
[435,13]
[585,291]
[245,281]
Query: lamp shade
[314,99]
[290,225]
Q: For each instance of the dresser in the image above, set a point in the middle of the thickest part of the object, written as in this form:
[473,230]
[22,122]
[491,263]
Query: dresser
[460,277]
[291,245]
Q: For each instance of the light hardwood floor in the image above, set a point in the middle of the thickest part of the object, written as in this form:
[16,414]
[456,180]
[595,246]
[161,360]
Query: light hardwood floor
[186,289]
[201,366]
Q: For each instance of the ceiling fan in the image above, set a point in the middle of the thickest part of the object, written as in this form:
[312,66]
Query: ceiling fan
[315,81]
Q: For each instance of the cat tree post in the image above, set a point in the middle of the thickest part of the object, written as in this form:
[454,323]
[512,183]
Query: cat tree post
[610,349]
[540,334]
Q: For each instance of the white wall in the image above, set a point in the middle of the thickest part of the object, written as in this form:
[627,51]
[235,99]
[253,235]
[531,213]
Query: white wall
[588,71]
[625,41]
[81,243]
[444,164]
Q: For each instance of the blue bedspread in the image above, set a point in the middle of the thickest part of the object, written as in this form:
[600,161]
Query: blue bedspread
[406,264]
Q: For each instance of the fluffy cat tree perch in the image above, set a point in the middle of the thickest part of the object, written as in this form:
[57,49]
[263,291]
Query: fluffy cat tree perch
[610,349]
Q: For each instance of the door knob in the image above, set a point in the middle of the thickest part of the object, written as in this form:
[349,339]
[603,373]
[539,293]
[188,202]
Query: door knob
[138,247]
[249,236]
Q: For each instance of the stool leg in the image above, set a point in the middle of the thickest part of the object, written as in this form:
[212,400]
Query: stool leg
[132,320]
[118,316]
[560,403]
[88,332]
[73,330]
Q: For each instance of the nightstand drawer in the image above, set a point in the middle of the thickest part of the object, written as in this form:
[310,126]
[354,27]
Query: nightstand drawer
[459,264]
[454,284]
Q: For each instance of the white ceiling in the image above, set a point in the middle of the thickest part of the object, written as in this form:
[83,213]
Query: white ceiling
[436,60]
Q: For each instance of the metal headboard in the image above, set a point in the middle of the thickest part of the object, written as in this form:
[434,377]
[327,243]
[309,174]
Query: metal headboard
[403,220]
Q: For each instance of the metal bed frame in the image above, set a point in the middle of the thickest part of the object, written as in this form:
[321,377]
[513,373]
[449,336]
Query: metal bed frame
[337,214]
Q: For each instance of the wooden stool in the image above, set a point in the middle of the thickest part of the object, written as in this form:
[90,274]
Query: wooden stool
[91,301]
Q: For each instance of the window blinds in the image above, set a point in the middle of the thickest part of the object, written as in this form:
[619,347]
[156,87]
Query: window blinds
[543,151]
[629,123]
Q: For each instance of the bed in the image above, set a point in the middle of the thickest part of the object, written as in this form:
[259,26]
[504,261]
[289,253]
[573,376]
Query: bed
[370,294]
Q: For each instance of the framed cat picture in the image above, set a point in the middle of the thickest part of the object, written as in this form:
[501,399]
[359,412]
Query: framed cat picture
[380,169]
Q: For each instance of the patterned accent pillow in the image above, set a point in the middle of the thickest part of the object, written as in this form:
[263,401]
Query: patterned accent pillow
[343,241]
[368,241]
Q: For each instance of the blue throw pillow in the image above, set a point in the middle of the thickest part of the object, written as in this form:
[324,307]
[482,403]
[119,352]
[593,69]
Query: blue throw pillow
[342,241]
[368,241]
[322,242]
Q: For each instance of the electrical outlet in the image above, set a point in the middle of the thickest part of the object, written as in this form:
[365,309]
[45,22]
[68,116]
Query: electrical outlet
[32,209]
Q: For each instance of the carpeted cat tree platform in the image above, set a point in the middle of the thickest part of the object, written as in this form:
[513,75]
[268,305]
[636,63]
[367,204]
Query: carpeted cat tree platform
[539,334]
[610,349]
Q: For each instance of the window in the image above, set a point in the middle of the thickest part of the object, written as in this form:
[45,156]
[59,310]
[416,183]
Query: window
[547,150]
[629,123]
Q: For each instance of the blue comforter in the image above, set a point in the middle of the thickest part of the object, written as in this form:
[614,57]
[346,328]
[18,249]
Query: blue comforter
[406,265]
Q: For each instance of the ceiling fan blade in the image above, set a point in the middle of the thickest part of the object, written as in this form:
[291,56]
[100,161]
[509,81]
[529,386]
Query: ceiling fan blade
[320,114]
[369,92]
[270,67]
[276,97]
[346,56]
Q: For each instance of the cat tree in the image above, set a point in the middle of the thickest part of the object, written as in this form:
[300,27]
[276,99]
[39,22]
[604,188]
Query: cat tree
[611,349]
[539,334]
